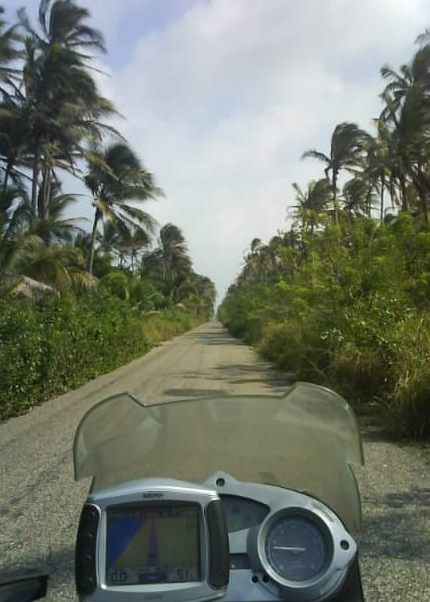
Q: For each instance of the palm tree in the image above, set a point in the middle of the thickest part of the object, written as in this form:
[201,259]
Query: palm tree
[59,266]
[59,98]
[407,116]
[15,213]
[135,243]
[173,253]
[357,198]
[312,203]
[252,267]
[255,246]
[8,53]
[347,143]
[33,247]
[115,177]
[55,229]
[13,142]
[262,263]
[63,22]
[206,295]
[379,167]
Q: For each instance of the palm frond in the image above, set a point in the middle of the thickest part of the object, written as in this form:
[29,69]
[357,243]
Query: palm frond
[314,154]
[141,217]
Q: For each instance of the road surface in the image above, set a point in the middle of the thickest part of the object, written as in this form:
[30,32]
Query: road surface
[40,502]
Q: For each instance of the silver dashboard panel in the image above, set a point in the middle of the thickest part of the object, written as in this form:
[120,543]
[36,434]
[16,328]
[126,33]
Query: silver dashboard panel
[259,583]
[252,579]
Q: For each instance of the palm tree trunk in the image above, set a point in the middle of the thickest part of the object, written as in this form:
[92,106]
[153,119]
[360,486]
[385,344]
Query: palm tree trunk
[423,191]
[34,184]
[90,261]
[335,207]
[382,198]
[369,202]
[46,193]
[402,181]
[7,173]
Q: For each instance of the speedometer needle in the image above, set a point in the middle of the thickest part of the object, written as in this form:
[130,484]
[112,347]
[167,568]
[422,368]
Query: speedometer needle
[289,548]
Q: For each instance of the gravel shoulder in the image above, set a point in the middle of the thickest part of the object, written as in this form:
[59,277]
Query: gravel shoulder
[395,492]
[40,502]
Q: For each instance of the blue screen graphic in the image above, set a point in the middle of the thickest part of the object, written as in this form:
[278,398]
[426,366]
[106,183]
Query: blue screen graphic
[147,545]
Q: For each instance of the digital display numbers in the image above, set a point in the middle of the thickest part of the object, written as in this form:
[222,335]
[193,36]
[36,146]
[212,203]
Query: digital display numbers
[153,544]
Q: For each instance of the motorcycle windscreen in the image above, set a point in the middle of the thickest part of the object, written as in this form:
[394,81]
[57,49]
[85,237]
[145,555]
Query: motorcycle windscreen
[306,440]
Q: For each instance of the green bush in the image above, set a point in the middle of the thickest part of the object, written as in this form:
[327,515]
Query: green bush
[407,403]
[350,309]
[48,349]
[290,345]
[359,375]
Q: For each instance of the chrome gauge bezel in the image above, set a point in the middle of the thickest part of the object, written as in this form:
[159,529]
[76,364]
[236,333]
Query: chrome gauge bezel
[293,513]
[340,550]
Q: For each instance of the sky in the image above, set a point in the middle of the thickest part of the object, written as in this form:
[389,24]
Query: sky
[222,97]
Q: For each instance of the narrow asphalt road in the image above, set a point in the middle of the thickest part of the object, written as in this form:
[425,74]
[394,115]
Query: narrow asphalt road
[40,502]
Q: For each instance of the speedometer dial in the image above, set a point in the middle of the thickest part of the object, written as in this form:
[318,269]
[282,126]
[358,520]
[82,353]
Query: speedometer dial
[296,549]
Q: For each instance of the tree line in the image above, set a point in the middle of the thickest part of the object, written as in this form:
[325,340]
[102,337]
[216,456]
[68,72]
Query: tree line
[76,301]
[342,296]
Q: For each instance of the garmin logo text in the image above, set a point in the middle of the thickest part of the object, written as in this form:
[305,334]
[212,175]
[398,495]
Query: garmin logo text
[152,495]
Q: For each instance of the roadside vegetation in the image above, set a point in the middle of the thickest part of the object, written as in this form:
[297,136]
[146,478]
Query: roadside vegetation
[343,297]
[76,299]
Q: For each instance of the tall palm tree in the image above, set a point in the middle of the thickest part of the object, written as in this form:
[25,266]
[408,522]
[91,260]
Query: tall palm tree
[134,244]
[26,236]
[357,198]
[173,253]
[407,116]
[9,52]
[59,97]
[255,246]
[115,177]
[13,142]
[346,147]
[24,252]
[206,294]
[63,22]
[253,266]
[55,228]
[312,203]
[15,213]
[379,168]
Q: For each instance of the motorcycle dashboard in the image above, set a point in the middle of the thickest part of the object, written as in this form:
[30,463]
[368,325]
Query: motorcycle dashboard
[185,542]
[242,513]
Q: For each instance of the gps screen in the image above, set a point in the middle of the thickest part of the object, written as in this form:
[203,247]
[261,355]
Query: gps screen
[153,544]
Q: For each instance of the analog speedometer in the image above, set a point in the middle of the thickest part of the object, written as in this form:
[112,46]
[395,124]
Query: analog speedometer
[296,549]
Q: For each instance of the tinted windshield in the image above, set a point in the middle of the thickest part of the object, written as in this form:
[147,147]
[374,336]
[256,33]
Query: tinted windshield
[306,440]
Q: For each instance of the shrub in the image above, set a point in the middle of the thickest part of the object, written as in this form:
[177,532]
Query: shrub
[359,375]
[407,403]
[48,349]
[348,307]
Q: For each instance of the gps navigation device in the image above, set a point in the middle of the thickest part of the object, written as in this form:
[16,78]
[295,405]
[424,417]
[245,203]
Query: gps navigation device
[152,539]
